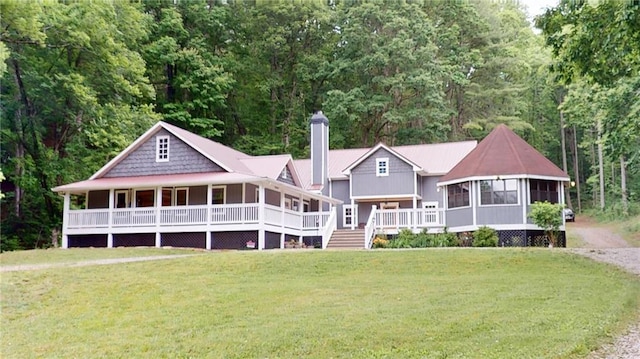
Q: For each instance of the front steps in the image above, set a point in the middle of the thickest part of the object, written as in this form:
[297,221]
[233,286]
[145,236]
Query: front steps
[346,238]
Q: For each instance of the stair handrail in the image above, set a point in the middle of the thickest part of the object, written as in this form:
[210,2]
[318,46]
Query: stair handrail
[370,228]
[329,227]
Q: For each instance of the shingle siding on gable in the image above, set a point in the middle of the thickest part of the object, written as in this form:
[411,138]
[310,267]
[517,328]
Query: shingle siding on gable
[182,159]
[289,179]
[399,181]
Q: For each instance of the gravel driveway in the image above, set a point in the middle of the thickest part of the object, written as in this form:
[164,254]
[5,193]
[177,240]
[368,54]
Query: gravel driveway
[603,245]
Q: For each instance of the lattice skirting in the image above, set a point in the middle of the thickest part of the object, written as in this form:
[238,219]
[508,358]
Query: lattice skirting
[87,240]
[234,240]
[528,238]
[134,240]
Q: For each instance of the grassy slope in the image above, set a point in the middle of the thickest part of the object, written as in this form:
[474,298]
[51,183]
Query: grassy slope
[493,303]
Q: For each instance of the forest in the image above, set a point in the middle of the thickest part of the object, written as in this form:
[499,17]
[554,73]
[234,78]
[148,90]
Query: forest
[81,80]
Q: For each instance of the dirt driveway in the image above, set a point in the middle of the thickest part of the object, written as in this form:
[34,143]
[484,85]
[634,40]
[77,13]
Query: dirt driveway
[602,244]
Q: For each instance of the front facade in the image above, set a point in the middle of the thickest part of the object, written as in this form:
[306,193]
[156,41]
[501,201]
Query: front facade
[174,188]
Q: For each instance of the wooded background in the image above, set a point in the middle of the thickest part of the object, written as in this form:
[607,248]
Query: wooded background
[82,80]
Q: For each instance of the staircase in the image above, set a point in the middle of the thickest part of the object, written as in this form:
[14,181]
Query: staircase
[346,238]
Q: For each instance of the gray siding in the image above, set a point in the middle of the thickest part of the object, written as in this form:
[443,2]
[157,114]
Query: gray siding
[182,159]
[430,190]
[98,199]
[289,179]
[459,217]
[502,214]
[399,181]
[340,190]
[319,152]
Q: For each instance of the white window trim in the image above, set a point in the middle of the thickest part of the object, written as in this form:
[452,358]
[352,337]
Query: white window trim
[295,205]
[353,216]
[287,203]
[479,194]
[446,196]
[379,161]
[135,195]
[159,140]
[126,198]
[283,174]
[224,193]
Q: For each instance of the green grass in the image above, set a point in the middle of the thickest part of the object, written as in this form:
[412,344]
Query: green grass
[58,255]
[453,303]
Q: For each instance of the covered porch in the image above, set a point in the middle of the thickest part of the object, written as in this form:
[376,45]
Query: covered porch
[263,211]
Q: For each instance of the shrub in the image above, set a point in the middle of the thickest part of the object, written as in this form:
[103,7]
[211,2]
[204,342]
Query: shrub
[380,242]
[547,216]
[485,237]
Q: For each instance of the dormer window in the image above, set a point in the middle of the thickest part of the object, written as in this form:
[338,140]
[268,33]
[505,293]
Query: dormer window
[382,167]
[284,173]
[162,148]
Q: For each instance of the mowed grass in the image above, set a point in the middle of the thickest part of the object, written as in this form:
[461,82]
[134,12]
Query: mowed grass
[74,255]
[438,303]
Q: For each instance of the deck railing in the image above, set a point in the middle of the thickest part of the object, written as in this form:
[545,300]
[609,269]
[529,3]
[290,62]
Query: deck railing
[370,228]
[243,213]
[330,227]
[408,218]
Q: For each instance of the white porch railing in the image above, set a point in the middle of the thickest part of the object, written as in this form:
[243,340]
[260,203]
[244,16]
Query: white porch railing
[408,218]
[224,214]
[330,227]
[370,228]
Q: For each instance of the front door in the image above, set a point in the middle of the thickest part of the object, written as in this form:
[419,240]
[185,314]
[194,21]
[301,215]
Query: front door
[389,214]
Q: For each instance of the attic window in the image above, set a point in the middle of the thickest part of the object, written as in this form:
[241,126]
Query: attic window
[382,167]
[284,173]
[162,149]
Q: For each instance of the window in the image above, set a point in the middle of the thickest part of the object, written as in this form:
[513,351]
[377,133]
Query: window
[145,198]
[283,174]
[287,203]
[499,192]
[458,195]
[162,148]
[217,195]
[348,215]
[541,190]
[122,199]
[382,167]
[175,197]
[296,205]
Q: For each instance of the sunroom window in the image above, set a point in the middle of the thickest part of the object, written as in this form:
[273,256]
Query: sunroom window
[499,191]
[541,190]
[458,195]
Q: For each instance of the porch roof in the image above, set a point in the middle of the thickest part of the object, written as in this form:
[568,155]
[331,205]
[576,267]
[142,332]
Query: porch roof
[189,179]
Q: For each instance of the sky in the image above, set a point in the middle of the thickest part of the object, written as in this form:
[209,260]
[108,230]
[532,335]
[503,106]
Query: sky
[537,7]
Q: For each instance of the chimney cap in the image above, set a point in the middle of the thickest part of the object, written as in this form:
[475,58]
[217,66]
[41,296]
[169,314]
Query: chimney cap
[319,117]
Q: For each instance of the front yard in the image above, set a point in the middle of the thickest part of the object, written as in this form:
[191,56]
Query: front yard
[472,303]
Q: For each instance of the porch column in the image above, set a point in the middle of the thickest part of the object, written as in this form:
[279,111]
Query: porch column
[354,216]
[65,220]
[301,211]
[110,216]
[414,217]
[207,235]
[282,218]
[561,200]
[261,214]
[158,205]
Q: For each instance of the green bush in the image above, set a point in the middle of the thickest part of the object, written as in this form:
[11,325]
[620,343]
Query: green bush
[485,237]
[407,239]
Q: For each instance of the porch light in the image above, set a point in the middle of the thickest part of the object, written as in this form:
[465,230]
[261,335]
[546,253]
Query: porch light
[573,183]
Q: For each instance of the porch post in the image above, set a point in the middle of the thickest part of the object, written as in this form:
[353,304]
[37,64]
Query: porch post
[158,204]
[65,220]
[208,220]
[261,214]
[109,234]
[561,199]
[414,217]
[301,211]
[282,217]
[354,216]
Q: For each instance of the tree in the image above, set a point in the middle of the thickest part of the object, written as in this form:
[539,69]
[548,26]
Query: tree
[547,216]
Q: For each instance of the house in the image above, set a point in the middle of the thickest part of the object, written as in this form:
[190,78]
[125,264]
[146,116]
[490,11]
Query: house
[174,188]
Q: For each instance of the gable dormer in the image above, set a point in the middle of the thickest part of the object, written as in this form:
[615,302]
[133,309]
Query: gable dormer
[160,154]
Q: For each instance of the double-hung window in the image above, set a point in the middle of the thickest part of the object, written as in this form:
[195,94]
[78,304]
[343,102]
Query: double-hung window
[162,148]
[382,167]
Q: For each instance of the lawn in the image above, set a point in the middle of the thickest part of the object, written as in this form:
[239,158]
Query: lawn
[437,303]
[73,255]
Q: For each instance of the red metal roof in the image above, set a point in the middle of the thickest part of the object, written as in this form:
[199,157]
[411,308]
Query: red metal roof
[502,153]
